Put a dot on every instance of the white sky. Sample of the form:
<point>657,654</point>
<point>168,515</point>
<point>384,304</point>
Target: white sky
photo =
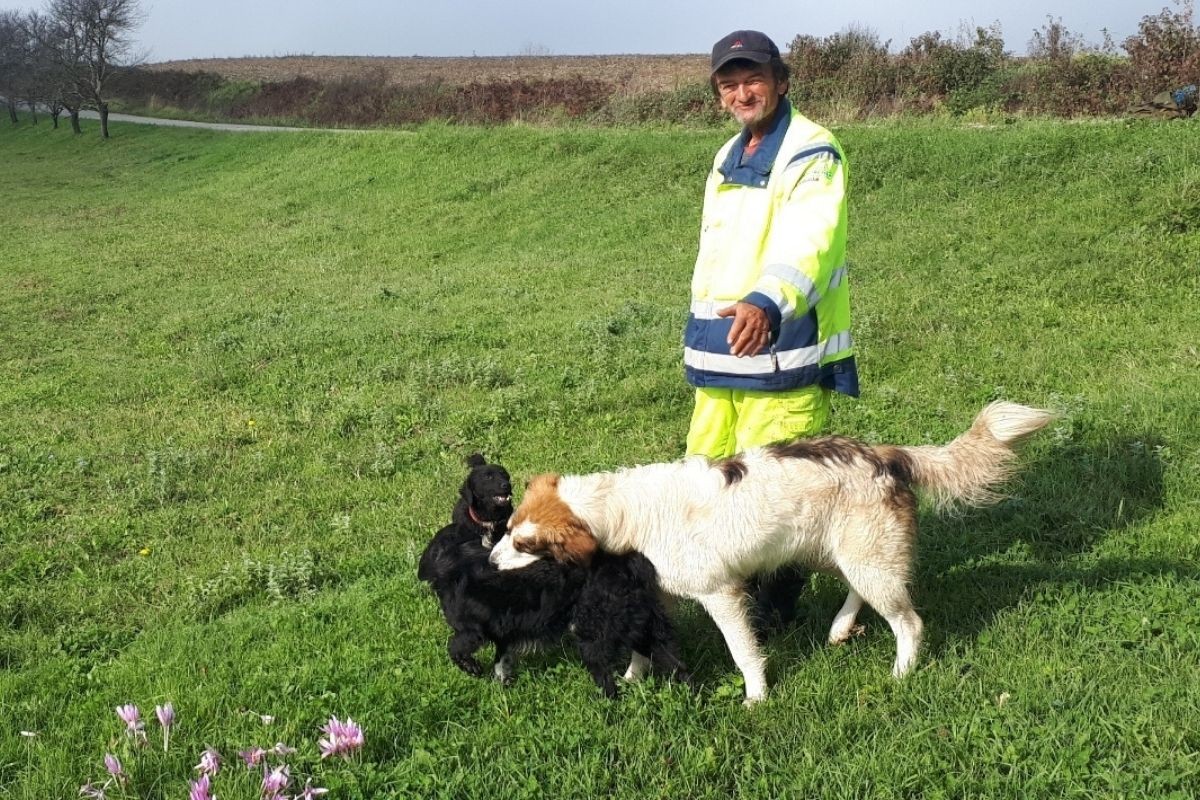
<point>177,29</point>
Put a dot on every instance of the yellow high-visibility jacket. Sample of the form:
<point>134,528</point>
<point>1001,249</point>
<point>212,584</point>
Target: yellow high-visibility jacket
<point>773,234</point>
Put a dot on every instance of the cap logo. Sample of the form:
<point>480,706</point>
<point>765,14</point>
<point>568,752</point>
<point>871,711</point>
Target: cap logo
<point>736,44</point>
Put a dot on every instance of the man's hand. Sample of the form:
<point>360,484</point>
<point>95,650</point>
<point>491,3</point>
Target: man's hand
<point>751,330</point>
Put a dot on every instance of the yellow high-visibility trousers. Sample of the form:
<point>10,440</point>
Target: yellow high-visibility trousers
<point>728,421</point>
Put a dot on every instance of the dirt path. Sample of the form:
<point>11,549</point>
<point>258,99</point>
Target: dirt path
<point>212,126</point>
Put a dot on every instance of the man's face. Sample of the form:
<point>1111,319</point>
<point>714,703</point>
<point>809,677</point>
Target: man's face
<point>748,91</point>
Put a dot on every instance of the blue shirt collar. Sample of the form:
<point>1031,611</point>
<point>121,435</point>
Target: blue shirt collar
<point>754,170</point>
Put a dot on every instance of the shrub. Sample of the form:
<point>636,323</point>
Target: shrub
<point>505,100</point>
<point>224,98</point>
<point>688,103</point>
<point>363,99</point>
<point>851,65</point>
<point>931,66</point>
<point>279,99</point>
<point>153,89</point>
<point>1165,52</point>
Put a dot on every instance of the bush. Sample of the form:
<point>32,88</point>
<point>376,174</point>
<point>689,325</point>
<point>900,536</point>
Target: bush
<point>289,99</point>
<point>931,66</point>
<point>354,101</point>
<point>150,89</point>
<point>226,97</point>
<point>503,101</point>
<point>851,65</point>
<point>1165,52</point>
<point>693,103</point>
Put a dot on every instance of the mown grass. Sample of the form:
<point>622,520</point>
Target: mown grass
<point>239,375</point>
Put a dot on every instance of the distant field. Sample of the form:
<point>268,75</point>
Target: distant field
<point>239,375</point>
<point>633,72</point>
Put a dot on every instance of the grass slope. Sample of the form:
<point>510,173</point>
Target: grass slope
<point>239,375</point>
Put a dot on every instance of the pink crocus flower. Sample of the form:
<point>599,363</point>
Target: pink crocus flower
<point>310,792</point>
<point>275,781</point>
<point>132,718</point>
<point>166,718</point>
<point>92,792</point>
<point>252,757</point>
<point>200,788</point>
<point>210,762</point>
<point>113,765</point>
<point>342,738</point>
<point>165,714</point>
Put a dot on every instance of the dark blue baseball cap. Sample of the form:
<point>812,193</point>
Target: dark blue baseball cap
<point>749,45</point>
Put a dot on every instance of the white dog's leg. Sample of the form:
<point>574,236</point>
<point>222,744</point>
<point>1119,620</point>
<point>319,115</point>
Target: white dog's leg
<point>843,624</point>
<point>908,627</point>
<point>728,610</point>
<point>886,592</point>
<point>639,665</point>
<point>505,668</point>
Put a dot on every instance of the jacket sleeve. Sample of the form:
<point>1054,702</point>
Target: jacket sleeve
<point>807,238</point>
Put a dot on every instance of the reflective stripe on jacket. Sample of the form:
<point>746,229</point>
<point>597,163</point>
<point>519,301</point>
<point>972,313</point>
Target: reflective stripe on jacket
<point>773,233</point>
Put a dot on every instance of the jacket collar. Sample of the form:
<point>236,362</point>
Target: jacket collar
<point>754,170</point>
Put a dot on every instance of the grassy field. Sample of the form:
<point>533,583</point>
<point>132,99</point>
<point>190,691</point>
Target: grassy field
<point>239,376</point>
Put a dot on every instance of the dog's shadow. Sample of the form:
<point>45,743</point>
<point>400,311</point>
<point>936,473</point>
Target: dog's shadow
<point>974,565</point>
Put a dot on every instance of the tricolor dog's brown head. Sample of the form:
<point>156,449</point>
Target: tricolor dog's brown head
<point>543,526</point>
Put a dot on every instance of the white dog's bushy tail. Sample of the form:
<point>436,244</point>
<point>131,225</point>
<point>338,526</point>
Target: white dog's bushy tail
<point>967,469</point>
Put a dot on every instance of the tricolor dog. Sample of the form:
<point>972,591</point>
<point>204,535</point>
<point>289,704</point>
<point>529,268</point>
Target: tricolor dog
<point>833,504</point>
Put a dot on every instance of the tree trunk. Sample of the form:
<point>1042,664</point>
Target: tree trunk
<point>12,112</point>
<point>55,113</point>
<point>75,121</point>
<point>33,111</point>
<point>104,120</point>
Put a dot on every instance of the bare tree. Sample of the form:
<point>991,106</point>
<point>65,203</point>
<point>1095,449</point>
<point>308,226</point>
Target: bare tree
<point>98,34</point>
<point>49,81</point>
<point>11,37</point>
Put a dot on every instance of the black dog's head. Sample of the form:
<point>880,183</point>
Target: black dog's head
<point>486,497</point>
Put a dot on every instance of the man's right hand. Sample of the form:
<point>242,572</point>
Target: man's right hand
<point>751,330</point>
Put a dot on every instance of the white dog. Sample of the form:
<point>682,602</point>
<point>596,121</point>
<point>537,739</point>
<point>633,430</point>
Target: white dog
<point>834,504</point>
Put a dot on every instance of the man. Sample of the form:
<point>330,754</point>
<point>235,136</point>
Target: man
<point>768,337</point>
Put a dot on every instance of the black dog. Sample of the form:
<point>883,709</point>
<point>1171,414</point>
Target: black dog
<point>611,605</point>
<point>775,595</point>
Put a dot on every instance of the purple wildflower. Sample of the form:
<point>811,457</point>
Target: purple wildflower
<point>113,765</point>
<point>210,762</point>
<point>310,792</point>
<point>132,718</point>
<point>253,757</point>
<point>90,791</point>
<point>200,789</point>
<point>275,781</point>
<point>342,738</point>
<point>166,718</point>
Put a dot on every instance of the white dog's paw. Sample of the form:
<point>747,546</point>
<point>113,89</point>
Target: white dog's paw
<point>639,665</point>
<point>843,636</point>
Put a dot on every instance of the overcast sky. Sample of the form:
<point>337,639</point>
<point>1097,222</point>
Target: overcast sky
<point>176,29</point>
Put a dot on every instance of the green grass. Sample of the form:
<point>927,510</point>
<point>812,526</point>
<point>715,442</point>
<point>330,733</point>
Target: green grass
<point>239,376</point>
